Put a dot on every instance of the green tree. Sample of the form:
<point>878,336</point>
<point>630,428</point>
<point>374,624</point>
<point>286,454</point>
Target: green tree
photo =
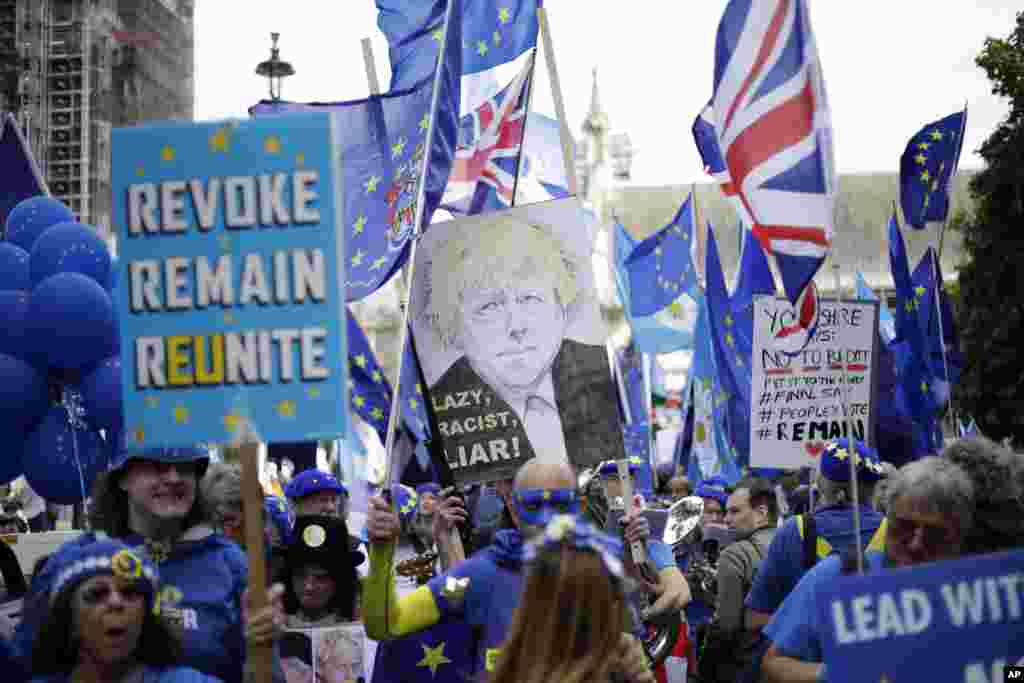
<point>991,281</point>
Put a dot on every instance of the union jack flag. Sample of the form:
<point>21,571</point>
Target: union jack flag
<point>775,132</point>
<point>483,175</point>
<point>706,137</point>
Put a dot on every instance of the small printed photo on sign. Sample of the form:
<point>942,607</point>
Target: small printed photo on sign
<point>512,343</point>
<point>324,655</point>
<point>798,402</point>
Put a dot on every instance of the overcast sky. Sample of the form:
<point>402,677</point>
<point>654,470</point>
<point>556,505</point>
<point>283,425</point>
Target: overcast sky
<point>890,65</point>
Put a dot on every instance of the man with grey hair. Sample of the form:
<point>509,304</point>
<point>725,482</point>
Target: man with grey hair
<point>931,513</point>
<point>503,294</point>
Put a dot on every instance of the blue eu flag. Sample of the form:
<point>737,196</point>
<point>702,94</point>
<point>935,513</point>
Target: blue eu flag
<point>927,167</point>
<point>443,652</point>
<point>414,409</point>
<point>660,267</point>
<point>20,177</point>
<point>886,323</point>
<point>369,389</point>
<point>755,274</point>
<point>492,34</point>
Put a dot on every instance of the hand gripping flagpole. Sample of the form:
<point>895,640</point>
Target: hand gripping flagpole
<point>417,228</point>
<point>853,456</point>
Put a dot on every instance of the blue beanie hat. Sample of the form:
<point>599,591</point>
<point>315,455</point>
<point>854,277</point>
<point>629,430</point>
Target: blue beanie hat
<point>835,461</point>
<point>308,482</point>
<point>81,562</point>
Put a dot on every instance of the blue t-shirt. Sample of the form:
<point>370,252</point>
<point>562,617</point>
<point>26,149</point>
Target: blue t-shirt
<point>174,674</point>
<point>783,565</point>
<point>796,628</point>
<point>201,585</point>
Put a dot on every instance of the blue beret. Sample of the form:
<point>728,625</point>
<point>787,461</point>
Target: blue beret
<point>610,468</point>
<point>429,487</point>
<point>308,482</point>
<point>714,489</point>
<point>835,461</point>
<point>80,562</point>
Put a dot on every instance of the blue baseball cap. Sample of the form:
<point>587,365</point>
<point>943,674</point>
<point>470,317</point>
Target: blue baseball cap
<point>308,482</point>
<point>835,461</point>
<point>714,488</point>
<point>80,562</point>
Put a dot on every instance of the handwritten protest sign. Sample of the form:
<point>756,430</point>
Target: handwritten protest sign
<point>796,395</point>
<point>512,343</point>
<point>230,296</point>
<point>960,621</point>
<point>325,655</point>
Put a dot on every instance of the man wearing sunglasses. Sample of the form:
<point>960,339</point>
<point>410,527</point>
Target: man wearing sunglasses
<point>931,511</point>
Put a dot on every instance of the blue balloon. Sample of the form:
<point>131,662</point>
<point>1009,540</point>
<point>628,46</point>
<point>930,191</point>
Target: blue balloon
<point>60,460</point>
<point>30,218</point>
<point>13,267</point>
<point>12,313</point>
<point>10,458</point>
<point>24,394</point>
<point>70,321</point>
<point>101,393</point>
<point>70,248</point>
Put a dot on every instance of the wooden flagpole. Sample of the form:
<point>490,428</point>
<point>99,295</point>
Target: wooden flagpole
<point>526,122</point>
<point>700,235</point>
<point>568,157</point>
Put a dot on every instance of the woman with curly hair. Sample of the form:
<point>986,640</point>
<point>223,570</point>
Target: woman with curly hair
<point>999,504</point>
<point>101,626</point>
<point>571,622</point>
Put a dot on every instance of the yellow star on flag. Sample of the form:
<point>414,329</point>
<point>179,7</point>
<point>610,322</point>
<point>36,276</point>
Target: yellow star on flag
<point>546,495</point>
<point>313,392</point>
<point>286,409</point>
<point>921,159</point>
<point>425,123</point>
<point>360,360</point>
<point>414,404</point>
<point>377,376</point>
<point>924,387</point>
<point>357,258</point>
<point>729,339</point>
<point>371,184</point>
<point>140,171</point>
<point>919,290</point>
<point>378,263</point>
<point>676,309</point>
<point>481,48</point>
<point>219,140</point>
<point>152,401</point>
<point>909,306</point>
<point>358,401</point>
<point>936,135</point>
<point>232,422</point>
<point>841,454</point>
<point>419,388</point>
<point>496,38</point>
<point>272,145</point>
<point>438,34</point>
<point>181,414</point>
<point>657,251</point>
<point>728,320</point>
<point>377,413</point>
<point>504,15</point>
<point>300,159</point>
<point>167,153</point>
<point>923,146</point>
<point>359,225</point>
<point>139,434</point>
<point>926,176</point>
<point>398,148</point>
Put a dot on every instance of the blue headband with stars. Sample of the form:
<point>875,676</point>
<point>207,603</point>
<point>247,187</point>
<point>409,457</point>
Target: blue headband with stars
<point>567,530</point>
<point>536,506</point>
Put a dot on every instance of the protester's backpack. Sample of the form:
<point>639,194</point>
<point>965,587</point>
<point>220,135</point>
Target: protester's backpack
<point>816,548</point>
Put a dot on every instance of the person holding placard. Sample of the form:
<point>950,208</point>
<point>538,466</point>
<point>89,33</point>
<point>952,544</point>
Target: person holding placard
<point>931,513</point>
<point>806,539</point>
<point>151,501</point>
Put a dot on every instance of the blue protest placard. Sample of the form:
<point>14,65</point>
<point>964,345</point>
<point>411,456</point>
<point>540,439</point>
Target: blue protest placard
<point>231,296</point>
<point>960,621</point>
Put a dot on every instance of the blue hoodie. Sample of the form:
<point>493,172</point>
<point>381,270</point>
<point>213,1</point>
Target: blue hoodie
<point>495,584</point>
<point>202,580</point>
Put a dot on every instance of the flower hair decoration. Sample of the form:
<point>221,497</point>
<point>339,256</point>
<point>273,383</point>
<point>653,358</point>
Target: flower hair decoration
<point>568,530</point>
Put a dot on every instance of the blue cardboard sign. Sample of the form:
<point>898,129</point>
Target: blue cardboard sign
<point>960,621</point>
<point>231,295</point>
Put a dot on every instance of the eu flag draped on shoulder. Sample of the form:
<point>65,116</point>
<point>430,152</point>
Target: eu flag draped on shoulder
<point>774,130</point>
<point>660,267</point>
<point>19,176</point>
<point>384,140</point>
<point>927,168</point>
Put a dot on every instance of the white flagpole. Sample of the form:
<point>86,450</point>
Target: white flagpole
<point>403,334</point>
<point>371,67</point>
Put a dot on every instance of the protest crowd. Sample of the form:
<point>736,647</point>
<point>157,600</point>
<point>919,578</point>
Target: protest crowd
<point>814,522</point>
